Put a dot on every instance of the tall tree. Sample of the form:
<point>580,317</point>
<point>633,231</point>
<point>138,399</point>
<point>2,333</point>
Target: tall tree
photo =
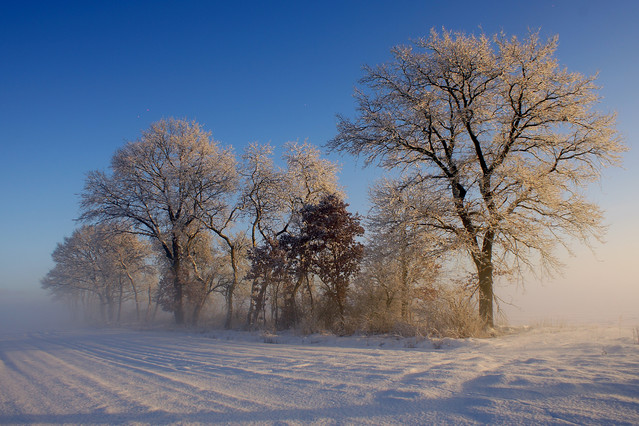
<point>162,186</point>
<point>310,178</point>
<point>495,143</point>
<point>263,197</point>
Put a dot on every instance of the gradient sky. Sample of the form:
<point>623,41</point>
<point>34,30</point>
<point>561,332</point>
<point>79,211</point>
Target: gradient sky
<point>77,79</point>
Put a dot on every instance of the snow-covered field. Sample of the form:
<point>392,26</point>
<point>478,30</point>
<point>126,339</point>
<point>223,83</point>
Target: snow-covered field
<point>565,375</point>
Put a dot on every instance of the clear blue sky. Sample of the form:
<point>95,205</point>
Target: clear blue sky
<point>77,79</point>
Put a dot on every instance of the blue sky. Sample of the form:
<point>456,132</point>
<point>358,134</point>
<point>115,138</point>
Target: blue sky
<point>77,79</point>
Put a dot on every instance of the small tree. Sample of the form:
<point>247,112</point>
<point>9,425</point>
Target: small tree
<point>207,272</point>
<point>399,250</point>
<point>131,257</point>
<point>327,246</point>
<point>495,143</point>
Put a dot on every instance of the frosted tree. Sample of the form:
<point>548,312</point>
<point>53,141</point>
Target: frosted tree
<point>495,143</point>
<point>264,198</point>
<point>163,186</point>
<point>131,258</point>
<point>102,262</point>
<point>207,271</point>
<point>221,222</point>
<point>401,258</point>
<point>273,198</point>
<point>264,192</point>
<point>327,246</point>
<point>310,177</point>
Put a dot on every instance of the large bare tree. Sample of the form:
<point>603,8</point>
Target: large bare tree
<point>495,143</point>
<point>162,186</point>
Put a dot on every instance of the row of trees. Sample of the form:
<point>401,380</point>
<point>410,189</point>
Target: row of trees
<point>101,263</point>
<point>490,143</point>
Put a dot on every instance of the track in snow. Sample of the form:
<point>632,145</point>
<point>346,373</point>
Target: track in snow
<point>565,376</point>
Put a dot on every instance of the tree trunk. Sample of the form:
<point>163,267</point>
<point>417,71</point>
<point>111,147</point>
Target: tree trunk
<point>252,303</point>
<point>147,313</point>
<point>486,294</point>
<point>404,293</point>
<point>340,298</point>
<point>310,294</point>
<point>275,305</point>
<point>257,303</point>
<point>137,302</point>
<point>231,289</point>
<point>484,264</point>
<point>178,306</point>
<point>135,291</point>
<point>197,309</point>
<point>120,297</point>
<point>289,310</point>
<point>178,303</point>
<point>229,307</point>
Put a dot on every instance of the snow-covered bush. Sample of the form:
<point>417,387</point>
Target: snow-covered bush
<point>450,312</point>
<point>441,311</point>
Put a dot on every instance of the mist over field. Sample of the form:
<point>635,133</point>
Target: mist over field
<point>26,311</point>
<point>55,368</point>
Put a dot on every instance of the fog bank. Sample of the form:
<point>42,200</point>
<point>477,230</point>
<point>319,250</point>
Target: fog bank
<point>25,311</point>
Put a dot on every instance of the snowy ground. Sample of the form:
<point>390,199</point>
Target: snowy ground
<point>565,375</point>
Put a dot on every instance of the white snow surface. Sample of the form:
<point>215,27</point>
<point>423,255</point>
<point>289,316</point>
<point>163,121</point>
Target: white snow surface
<point>545,375</point>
